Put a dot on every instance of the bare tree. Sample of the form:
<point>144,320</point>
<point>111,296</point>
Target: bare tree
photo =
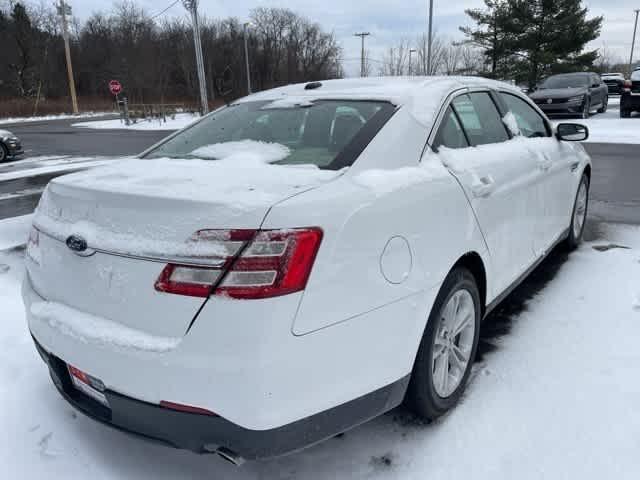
<point>395,61</point>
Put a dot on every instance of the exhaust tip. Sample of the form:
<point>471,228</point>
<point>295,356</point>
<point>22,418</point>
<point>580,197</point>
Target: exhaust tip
<point>230,456</point>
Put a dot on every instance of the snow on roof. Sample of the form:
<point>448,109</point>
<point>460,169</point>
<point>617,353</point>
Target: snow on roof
<point>423,94</point>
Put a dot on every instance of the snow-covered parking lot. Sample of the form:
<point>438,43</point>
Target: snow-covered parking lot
<point>557,398</point>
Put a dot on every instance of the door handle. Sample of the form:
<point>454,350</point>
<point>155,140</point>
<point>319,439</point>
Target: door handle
<point>483,187</point>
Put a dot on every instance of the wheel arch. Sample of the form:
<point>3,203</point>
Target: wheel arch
<point>473,262</point>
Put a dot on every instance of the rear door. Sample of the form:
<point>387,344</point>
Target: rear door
<point>497,176</point>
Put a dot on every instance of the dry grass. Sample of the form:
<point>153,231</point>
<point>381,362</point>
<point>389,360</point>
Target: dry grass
<point>25,107</point>
<point>21,107</point>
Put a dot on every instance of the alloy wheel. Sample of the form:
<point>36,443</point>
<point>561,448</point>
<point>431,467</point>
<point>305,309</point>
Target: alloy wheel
<point>453,343</point>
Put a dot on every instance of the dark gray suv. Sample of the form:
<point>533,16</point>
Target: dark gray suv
<point>572,94</point>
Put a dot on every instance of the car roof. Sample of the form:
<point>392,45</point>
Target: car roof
<point>397,90</point>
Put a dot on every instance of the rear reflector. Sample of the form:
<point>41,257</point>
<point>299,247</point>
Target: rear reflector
<point>254,265</point>
<point>186,408</point>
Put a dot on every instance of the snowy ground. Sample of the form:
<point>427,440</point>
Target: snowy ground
<point>557,399</point>
<point>42,118</point>
<point>48,164</point>
<point>181,120</point>
<point>609,127</point>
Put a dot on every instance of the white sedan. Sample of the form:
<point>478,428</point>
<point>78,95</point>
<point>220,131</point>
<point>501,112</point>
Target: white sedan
<point>299,261</point>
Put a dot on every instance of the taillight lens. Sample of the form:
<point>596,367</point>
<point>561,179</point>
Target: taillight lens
<point>627,85</point>
<point>261,264</point>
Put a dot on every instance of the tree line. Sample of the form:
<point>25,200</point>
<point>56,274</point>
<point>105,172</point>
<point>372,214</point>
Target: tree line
<point>154,58</point>
<point>517,40</point>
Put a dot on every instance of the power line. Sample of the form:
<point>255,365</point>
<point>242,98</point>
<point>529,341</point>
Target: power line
<point>165,10</point>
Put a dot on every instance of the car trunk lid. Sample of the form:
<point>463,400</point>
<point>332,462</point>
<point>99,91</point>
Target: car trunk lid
<point>135,217</point>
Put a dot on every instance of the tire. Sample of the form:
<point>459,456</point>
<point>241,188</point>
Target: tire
<point>605,105</point>
<point>625,113</point>
<point>428,399</point>
<point>4,153</point>
<point>586,110</point>
<point>579,214</point>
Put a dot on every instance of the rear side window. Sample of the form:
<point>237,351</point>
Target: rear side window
<point>529,121</point>
<point>480,118</point>
<point>450,134</point>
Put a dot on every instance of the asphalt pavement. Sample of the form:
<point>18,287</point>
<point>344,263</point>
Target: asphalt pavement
<point>615,189</point>
<point>58,137</point>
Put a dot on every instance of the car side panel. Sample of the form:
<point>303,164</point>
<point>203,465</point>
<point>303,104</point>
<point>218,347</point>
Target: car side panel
<point>422,206</point>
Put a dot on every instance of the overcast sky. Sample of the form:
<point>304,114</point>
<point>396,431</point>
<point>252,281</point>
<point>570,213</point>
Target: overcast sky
<point>388,21</point>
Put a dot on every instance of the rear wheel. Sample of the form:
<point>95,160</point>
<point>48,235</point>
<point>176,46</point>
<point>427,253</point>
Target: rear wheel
<point>4,153</point>
<point>579,216</point>
<point>448,347</point>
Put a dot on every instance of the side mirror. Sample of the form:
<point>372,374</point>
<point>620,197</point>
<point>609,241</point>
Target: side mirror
<point>572,132</point>
<point>595,85</point>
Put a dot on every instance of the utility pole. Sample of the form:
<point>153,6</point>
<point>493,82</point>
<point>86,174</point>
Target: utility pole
<point>430,38</point>
<point>633,44</point>
<point>63,11</point>
<point>192,6</point>
<point>246,57</point>
<point>411,52</point>
<point>362,36</point>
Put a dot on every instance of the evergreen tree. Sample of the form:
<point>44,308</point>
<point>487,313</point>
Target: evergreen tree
<point>535,38</point>
<point>491,34</point>
<point>549,36</point>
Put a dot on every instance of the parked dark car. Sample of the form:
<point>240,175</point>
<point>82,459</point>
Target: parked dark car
<point>10,146</point>
<point>614,81</point>
<point>630,99</point>
<point>572,94</point>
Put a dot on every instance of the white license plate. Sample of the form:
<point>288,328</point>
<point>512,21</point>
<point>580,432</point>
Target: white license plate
<point>88,385</point>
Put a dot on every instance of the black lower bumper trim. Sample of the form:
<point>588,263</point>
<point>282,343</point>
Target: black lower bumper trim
<point>204,434</point>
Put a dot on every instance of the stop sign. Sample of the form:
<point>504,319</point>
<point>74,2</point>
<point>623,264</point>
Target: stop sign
<point>115,87</point>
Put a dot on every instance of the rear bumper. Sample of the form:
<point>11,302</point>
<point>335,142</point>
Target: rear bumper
<point>207,434</point>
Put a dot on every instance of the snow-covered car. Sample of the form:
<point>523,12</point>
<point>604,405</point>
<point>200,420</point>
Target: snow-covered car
<point>299,261</point>
<point>575,94</point>
<point>10,146</point>
<point>630,99</point>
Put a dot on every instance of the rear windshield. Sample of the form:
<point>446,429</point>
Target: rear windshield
<point>566,81</point>
<point>281,132</point>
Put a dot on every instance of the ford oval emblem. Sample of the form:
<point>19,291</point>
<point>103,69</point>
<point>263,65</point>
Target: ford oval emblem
<point>77,243</point>
<point>550,100</point>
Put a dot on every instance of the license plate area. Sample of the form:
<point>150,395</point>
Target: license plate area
<point>90,386</point>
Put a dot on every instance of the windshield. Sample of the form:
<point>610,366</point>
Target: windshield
<point>566,81</point>
<point>283,132</point>
<point>635,75</point>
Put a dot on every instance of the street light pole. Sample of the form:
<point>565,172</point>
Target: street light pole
<point>192,6</point>
<point>633,44</point>
<point>246,57</point>
<point>362,36</point>
<point>411,52</point>
<point>430,37</point>
<point>63,11</point>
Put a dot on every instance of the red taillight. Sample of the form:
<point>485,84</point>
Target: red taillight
<point>627,85</point>
<point>265,264</point>
<point>187,408</point>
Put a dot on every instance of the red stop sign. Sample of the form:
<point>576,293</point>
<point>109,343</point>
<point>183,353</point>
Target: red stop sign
<point>115,87</point>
